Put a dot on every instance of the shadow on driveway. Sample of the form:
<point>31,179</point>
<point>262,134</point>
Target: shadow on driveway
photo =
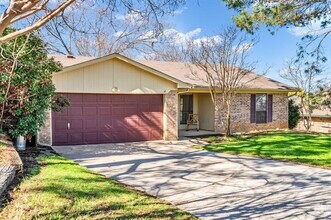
<point>212,185</point>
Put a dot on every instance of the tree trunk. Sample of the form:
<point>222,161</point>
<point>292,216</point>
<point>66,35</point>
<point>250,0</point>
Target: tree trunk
<point>228,121</point>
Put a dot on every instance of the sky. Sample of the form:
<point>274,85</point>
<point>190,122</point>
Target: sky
<point>207,17</point>
<point>201,18</point>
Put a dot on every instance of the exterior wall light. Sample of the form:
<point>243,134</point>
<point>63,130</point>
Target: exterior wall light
<point>115,89</point>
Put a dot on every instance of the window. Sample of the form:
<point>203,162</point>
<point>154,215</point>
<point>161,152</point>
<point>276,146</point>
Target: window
<point>261,108</point>
<point>186,107</point>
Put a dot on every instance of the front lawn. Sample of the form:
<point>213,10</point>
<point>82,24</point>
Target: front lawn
<point>314,149</point>
<point>61,189</point>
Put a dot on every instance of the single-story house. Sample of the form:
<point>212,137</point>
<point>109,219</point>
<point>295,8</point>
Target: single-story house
<point>117,99</point>
<point>321,121</point>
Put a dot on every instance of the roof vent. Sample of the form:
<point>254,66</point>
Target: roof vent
<point>70,56</point>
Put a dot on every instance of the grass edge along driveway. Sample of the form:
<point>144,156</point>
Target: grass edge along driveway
<point>304,148</point>
<point>62,189</point>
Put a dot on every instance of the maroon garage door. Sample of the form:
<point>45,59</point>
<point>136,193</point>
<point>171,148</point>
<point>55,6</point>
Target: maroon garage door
<point>100,118</point>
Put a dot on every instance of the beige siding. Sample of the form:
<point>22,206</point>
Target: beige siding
<point>103,77</point>
<point>206,112</point>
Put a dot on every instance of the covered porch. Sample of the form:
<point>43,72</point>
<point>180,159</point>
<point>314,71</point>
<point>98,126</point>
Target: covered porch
<point>201,106</point>
<point>183,134</point>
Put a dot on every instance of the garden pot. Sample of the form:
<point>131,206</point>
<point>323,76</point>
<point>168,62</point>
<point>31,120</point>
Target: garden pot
<point>20,143</point>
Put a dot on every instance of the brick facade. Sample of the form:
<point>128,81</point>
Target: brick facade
<point>45,132</point>
<point>240,117</point>
<point>240,114</point>
<point>171,116</point>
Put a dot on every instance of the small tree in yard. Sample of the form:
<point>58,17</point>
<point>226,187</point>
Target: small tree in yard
<point>224,62</point>
<point>324,92</point>
<point>304,74</point>
<point>26,88</point>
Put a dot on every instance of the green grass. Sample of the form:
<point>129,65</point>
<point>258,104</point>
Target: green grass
<point>61,189</point>
<point>313,149</point>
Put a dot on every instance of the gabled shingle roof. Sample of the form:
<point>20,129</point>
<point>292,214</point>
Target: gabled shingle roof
<point>66,61</point>
<point>183,72</point>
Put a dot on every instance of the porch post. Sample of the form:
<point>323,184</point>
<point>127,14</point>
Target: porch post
<point>170,119</point>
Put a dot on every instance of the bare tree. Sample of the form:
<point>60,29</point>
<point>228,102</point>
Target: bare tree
<point>93,28</point>
<point>19,10</point>
<point>305,75</point>
<point>30,15</point>
<point>166,48</point>
<point>225,66</point>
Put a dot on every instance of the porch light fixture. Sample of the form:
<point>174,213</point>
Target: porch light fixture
<point>115,89</point>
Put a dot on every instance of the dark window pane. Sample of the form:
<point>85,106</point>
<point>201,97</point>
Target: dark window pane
<point>186,107</point>
<point>261,102</point>
<point>261,108</point>
<point>261,117</point>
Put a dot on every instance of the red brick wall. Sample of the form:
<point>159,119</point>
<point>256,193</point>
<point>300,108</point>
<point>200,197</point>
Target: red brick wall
<point>241,114</point>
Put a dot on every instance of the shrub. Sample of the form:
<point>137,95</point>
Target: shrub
<point>26,87</point>
<point>293,114</point>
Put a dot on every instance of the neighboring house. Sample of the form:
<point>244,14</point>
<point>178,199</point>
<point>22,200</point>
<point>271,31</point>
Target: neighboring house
<point>321,121</point>
<point>117,99</point>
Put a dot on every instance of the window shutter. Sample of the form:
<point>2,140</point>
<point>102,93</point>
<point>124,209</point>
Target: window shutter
<point>253,108</point>
<point>269,110</point>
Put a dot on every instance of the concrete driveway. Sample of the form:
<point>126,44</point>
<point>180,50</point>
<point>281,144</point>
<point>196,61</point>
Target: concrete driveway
<point>212,185</point>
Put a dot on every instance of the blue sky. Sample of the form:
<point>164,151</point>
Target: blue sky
<point>209,16</point>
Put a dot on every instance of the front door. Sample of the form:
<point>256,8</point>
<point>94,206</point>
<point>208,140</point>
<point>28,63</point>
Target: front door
<point>186,107</point>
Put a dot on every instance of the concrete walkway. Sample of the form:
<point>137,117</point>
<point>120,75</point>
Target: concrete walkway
<point>212,185</point>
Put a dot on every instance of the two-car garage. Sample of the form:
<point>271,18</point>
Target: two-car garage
<point>112,99</point>
<point>105,118</point>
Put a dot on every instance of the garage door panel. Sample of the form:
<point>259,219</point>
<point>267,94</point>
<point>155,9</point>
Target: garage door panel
<point>105,124</point>
<point>91,124</point>
<point>155,108</point>
<point>90,111</point>
<point>101,118</point>
<point>132,99</point>
<point>132,122</point>
<point>62,113</point>
<point>76,124</point>
<point>105,137</point>
<point>118,99</point>
<point>118,123</point>
<point>60,138</point>
<point>143,108</point>
<point>156,134</point>
<point>91,137</point>
<point>104,111</point>
<point>119,136</point>
<point>90,98</point>
<point>61,125</point>
<point>150,121</point>
<point>76,111</point>
<point>76,138</point>
<point>75,98</point>
<point>117,109</point>
<point>104,98</point>
<point>131,110</point>
<point>138,135</point>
